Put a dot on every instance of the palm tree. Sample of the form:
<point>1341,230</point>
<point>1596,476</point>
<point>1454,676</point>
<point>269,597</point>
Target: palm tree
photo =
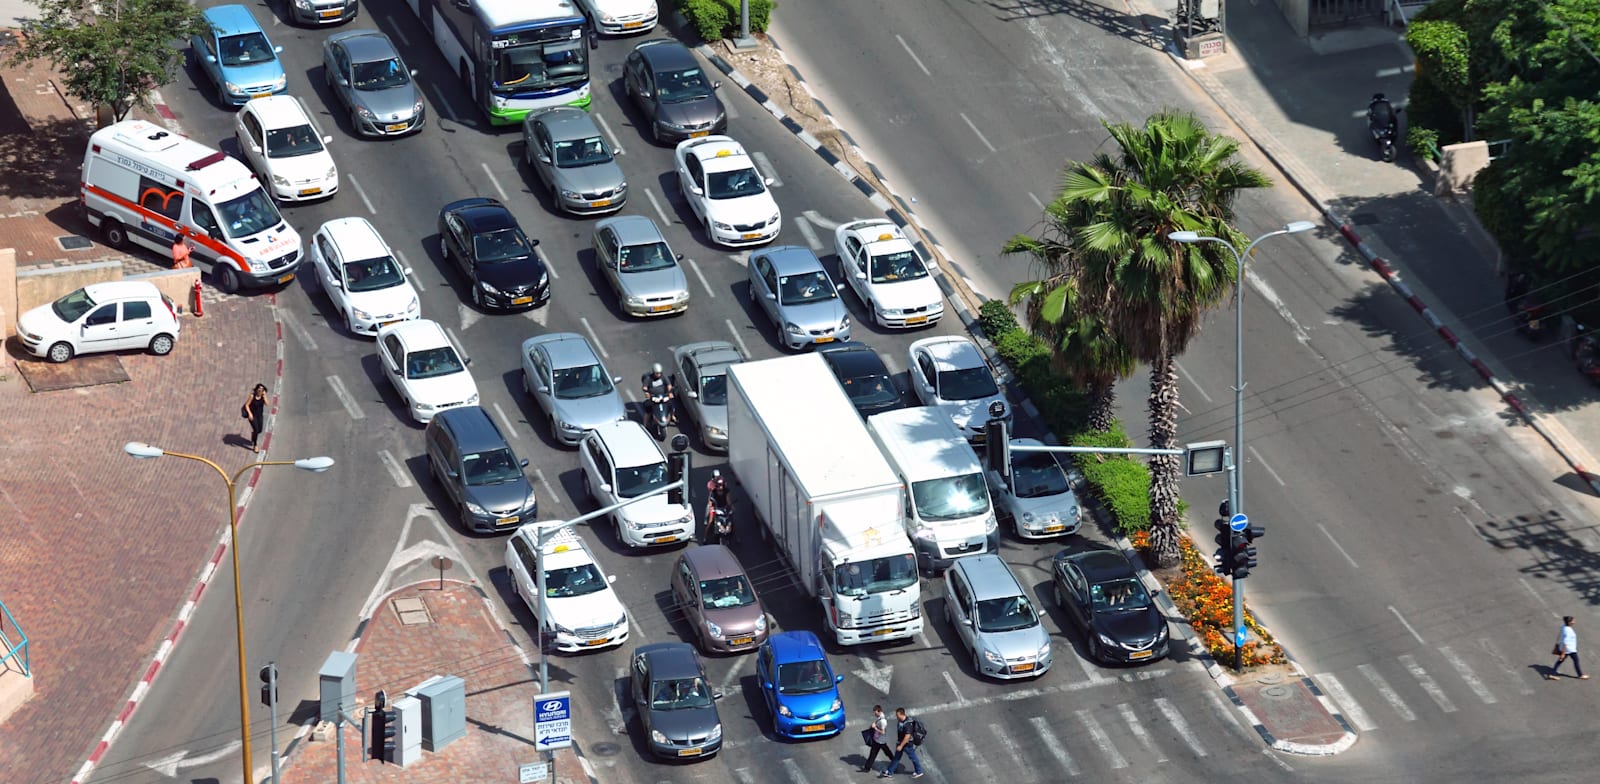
<point>1083,349</point>
<point>1109,230</point>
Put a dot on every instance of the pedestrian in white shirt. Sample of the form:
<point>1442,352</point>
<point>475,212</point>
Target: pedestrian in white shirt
<point>1566,648</point>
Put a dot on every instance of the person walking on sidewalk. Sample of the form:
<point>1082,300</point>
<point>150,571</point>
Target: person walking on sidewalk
<point>180,253</point>
<point>874,736</point>
<point>909,733</point>
<point>1566,648</point>
<point>255,410</point>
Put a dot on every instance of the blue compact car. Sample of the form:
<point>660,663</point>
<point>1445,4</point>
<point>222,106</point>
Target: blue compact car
<point>799,686</point>
<point>237,56</point>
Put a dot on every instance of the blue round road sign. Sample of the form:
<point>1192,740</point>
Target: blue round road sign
<point>1239,522</point>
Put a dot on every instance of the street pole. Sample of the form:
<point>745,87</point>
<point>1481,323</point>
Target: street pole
<point>338,736</point>
<point>272,705</point>
<point>1238,584</point>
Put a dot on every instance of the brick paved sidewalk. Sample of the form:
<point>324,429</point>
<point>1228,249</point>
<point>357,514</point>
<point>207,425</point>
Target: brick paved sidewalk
<point>461,637</point>
<point>97,550</point>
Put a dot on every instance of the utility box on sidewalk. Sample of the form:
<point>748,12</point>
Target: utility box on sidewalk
<point>336,684</point>
<point>408,736</point>
<point>444,710</point>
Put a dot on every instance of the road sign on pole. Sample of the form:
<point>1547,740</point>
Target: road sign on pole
<point>1239,523</point>
<point>532,771</point>
<point>552,721</point>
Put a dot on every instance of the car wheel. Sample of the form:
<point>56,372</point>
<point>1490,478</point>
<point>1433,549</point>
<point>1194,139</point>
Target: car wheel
<point>60,352</point>
<point>161,345</point>
<point>477,295</point>
<point>555,428</point>
<point>588,490</point>
<point>1094,644</point>
<point>227,279</point>
<point>444,250</point>
<point>115,234</point>
<point>355,122</point>
<point>1061,598</point>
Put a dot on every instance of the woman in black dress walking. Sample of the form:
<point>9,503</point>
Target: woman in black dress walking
<point>255,410</point>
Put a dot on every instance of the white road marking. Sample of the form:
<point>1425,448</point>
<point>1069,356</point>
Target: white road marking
<point>416,281</point>
<point>1336,546</point>
<point>540,316</point>
<point>822,221</point>
<point>737,338</point>
<point>654,202</point>
<point>743,775</point>
<point>592,336</point>
<point>550,493</point>
<point>891,363</point>
<point>981,137</point>
<point>1347,704</point>
<point>505,420</point>
<point>1268,466</point>
<point>345,398</point>
<point>396,473</point>
<point>1089,668</point>
<point>1051,743</point>
<point>456,342</point>
<point>1191,381</point>
<point>404,555</point>
<point>1137,728</point>
<point>765,165</point>
<point>1427,683</point>
<point>733,675</point>
<point>1180,726</point>
<point>1397,614</point>
<point>804,227</point>
<point>1514,676</point>
<point>695,268</point>
<point>169,765</point>
<point>401,36</point>
<point>496,183</point>
<point>1384,73</point>
<point>914,57</point>
<point>953,690</point>
<point>1226,709</point>
<point>741,259</point>
<point>1537,597</point>
<point>351,179</point>
<point>297,330</point>
<point>1036,201</point>
<point>1278,305</point>
<point>1387,691</point>
<point>467,315</point>
<point>792,768</point>
<point>605,127</point>
<point>551,268</point>
<point>1101,739</point>
<point>1015,695</point>
<point>1473,526</point>
<point>442,106</point>
<point>1466,673</point>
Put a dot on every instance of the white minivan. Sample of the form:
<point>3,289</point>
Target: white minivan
<point>948,511</point>
<point>115,316</point>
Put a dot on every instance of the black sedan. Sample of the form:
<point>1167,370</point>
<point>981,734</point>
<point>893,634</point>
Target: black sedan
<point>676,705</point>
<point>1100,591</point>
<point>481,238</point>
<point>864,376</point>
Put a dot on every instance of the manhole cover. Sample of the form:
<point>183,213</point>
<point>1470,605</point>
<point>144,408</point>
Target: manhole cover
<point>1270,679</point>
<point>1277,692</point>
<point>604,749</point>
<point>74,242</point>
<point>411,611</point>
<point>1363,218</point>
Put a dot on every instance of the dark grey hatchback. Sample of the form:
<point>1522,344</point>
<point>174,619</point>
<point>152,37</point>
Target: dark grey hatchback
<point>675,702</point>
<point>669,86</point>
<point>471,460</point>
<point>1101,592</point>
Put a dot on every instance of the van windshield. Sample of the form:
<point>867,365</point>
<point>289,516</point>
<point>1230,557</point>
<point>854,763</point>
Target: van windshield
<point>950,497</point>
<point>72,307</point>
<point>494,467</point>
<point>878,575</point>
<point>249,214</point>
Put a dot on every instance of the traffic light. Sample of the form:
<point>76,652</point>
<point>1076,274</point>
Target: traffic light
<point>385,723</point>
<point>1224,540</point>
<point>1255,532</point>
<point>997,447</point>
<point>678,472</point>
<point>1244,557</point>
<point>269,685</point>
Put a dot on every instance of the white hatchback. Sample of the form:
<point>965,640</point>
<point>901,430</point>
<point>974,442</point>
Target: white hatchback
<point>115,316</point>
<point>279,140</point>
<point>580,611</point>
<point>425,368</point>
<point>361,276</point>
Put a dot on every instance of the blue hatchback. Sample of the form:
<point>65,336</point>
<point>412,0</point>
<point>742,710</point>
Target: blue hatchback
<point>237,56</point>
<point>799,686</point>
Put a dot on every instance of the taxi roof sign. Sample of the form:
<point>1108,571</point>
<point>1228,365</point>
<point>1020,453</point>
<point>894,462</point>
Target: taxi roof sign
<point>724,152</point>
<point>885,237</point>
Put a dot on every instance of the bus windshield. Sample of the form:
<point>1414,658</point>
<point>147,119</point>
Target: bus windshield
<point>540,65</point>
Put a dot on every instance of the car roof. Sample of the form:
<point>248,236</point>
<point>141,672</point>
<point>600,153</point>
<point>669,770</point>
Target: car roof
<point>989,577</point>
<point>567,349</point>
<point>633,229</point>
<point>232,19</point>
<point>366,46</point>
<point>482,213</point>
<point>796,646</point>
<point>121,289</point>
<point>718,153</point>
<point>1100,565</point>
<point>629,444</point>
<point>710,562</point>
<point>417,335</point>
<point>666,55</point>
<point>952,352</point>
<point>356,238</point>
<point>564,549</point>
<point>853,358</point>
<point>566,123</point>
<point>883,237</point>
<point>472,428</point>
<point>791,259</point>
<point>280,111</point>
<point>671,660</point>
<point>712,354</point>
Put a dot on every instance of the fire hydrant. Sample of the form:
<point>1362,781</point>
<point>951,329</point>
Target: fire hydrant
<point>198,309</point>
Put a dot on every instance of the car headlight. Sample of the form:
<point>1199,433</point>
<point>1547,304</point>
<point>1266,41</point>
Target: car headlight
<point>563,630</point>
<point>365,113</point>
<point>925,533</point>
<point>713,629</point>
<point>570,427</point>
<point>259,265</point>
<point>837,704</point>
<point>774,219</point>
<point>716,431</point>
<point>417,107</point>
<point>414,307</point>
<point>761,623</point>
<point>361,314</point>
<point>1027,517</point>
<point>990,525</point>
<point>483,284</point>
<point>621,187</point>
<point>656,736</point>
<point>543,276</point>
<point>844,323</point>
<point>846,619</point>
<point>916,607</point>
<point>1106,639</point>
<point>686,520</point>
<point>793,328</point>
<point>333,171</point>
<point>994,658</point>
<point>633,525</point>
<point>231,87</point>
<point>889,312</point>
<point>1044,650</point>
<point>783,710</point>
<point>304,5</point>
<point>278,179</point>
<point>672,125</point>
<point>635,301</point>
<point>282,80</point>
<point>722,226</point>
<point>472,401</point>
<point>1161,633</point>
<point>1077,513</point>
<point>475,508</point>
<point>606,18</point>
<point>426,407</point>
<point>716,732</point>
<point>566,194</point>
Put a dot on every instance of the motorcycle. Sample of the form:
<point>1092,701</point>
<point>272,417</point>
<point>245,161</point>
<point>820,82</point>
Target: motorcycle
<point>1383,124</point>
<point>719,525</point>
<point>660,416</point>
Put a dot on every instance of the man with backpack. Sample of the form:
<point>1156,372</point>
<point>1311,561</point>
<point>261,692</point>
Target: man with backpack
<point>909,735</point>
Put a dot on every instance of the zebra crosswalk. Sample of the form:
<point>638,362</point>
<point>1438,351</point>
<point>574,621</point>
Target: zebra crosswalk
<point>1449,677</point>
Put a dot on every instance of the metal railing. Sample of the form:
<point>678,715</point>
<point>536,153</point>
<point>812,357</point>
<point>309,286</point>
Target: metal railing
<point>13,650</point>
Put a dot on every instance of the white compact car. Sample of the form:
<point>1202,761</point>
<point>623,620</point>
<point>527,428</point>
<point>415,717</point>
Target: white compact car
<point>949,373</point>
<point>124,314</point>
<point>726,191</point>
<point>621,461</point>
<point>1037,497</point>
<point>279,140</point>
<point>883,268</point>
<point>580,612</point>
<point>361,276</point>
<point>425,368</point>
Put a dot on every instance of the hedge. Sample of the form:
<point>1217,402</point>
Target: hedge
<point>719,19</point>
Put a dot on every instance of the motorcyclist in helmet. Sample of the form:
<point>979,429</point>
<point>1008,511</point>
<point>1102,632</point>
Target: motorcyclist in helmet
<point>1381,116</point>
<point>658,385</point>
<point>719,501</point>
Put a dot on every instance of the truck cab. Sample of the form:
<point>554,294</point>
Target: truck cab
<point>948,512</point>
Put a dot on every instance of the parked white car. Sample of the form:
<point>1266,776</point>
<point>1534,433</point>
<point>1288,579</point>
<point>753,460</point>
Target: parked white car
<point>279,139</point>
<point>950,374</point>
<point>621,461</point>
<point>883,268</point>
<point>115,316</point>
<point>726,191</point>
<point>361,276</point>
<point>580,611</point>
<point>425,368</point>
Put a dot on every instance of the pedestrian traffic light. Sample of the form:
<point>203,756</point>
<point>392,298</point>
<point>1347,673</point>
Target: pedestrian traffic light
<point>997,447</point>
<point>269,685</point>
<point>678,473</point>
<point>385,723</point>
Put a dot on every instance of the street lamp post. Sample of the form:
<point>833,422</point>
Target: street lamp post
<point>313,464</point>
<point>1236,477</point>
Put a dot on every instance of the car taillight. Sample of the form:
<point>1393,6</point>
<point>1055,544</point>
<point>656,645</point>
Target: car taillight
<point>171,308</point>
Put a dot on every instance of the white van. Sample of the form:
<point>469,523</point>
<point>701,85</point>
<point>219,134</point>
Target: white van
<point>144,185</point>
<point>948,511</point>
<point>114,316</point>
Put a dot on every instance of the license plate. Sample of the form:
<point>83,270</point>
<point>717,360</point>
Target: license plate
<point>660,308</point>
<point>882,632</point>
<point>600,203</point>
<point>1022,667</point>
<point>330,14</point>
<point>698,134</point>
<point>396,128</point>
<point>1141,654</point>
<point>665,539</point>
<point>741,641</point>
<point>522,300</point>
<point>689,752</point>
<point>387,323</point>
<point>917,320</point>
<point>286,278</point>
<point>310,191</point>
<point>750,236</point>
<point>631,25</point>
<point>506,520</point>
<point>823,339</point>
<point>601,641</point>
<point>1054,529</point>
<point>813,727</point>
<point>1533,323</point>
<point>261,95</point>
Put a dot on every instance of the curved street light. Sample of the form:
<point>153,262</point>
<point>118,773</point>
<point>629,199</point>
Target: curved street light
<point>317,465</point>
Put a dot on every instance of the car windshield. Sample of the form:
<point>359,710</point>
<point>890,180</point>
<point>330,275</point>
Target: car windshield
<point>379,74</point>
<point>373,274</point>
<point>538,66</point>
<point>576,383</point>
<point>1006,615</point>
<point>725,592</point>
<point>638,480</point>
<point>878,575</point>
<point>249,214</point>
<point>967,384</point>
<point>893,267</point>
<point>244,49</point>
<point>714,390</point>
<point>950,498</point>
<point>680,86</point>
<point>576,153</point>
<point>808,677</point>
<point>293,142</point>
<point>1037,475</point>
<point>679,694</point>
<point>72,307</point>
<point>805,287</point>
<point>494,467</point>
<point>580,580</point>
<point>500,245</point>
<point>432,363</point>
<point>1120,595</point>
<point>734,184</point>
<point>870,389</point>
<point>644,258</point>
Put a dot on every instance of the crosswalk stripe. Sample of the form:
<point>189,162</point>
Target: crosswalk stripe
<point>1137,728</point>
<point>1512,675</point>
<point>962,745</point>
<point>1347,704</point>
<point>743,775</point>
<point>1007,743</point>
<point>793,769</point>
<point>1051,744</point>
<point>1467,675</point>
<point>1180,725</point>
<point>1388,692</point>
<point>1101,739</point>
<point>1427,683</point>
<point>1089,668</point>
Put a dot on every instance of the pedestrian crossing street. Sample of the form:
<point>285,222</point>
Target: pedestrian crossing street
<point>1446,679</point>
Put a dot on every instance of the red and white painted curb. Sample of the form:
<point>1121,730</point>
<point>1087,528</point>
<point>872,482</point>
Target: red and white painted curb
<point>208,571</point>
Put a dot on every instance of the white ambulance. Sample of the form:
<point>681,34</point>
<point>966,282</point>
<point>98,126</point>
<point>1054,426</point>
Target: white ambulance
<point>143,184</point>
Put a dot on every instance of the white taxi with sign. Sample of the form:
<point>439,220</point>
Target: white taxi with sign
<point>886,272</point>
<point>726,192</point>
<point>580,612</point>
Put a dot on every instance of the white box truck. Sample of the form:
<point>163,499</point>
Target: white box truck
<point>950,514</point>
<point>824,496</point>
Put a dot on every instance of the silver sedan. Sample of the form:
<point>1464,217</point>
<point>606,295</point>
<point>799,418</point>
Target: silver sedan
<point>562,373</point>
<point>366,74</point>
<point>701,385</point>
<point>790,286</point>
<point>564,148</point>
<point>641,268</point>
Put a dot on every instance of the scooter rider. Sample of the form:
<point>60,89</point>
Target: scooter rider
<point>657,385</point>
<point>1381,117</point>
<point>720,502</point>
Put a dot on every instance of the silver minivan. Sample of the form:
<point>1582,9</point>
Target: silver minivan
<point>995,619</point>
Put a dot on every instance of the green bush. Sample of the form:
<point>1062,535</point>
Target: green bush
<point>1121,484</point>
<point>719,19</point>
<point>1424,142</point>
<point>996,319</point>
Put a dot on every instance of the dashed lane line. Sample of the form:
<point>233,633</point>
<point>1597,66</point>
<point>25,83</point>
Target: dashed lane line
<point>396,473</point>
<point>1427,683</point>
<point>345,398</point>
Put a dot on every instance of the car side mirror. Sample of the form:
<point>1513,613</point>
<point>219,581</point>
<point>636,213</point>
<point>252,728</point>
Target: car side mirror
<point>861,275</point>
<point>523,462</point>
<point>605,487</point>
<point>838,679</point>
<point>616,379</point>
<point>543,389</point>
<point>343,82</point>
<point>772,296</point>
<point>338,284</point>
<point>695,189</point>
<point>407,272</point>
<point>767,180</point>
<point>716,85</point>
<point>693,395</point>
<point>413,72</point>
<point>277,50</point>
<point>1156,591</point>
<point>450,472</point>
<point>533,242</point>
<point>611,579</point>
<point>680,257</point>
<point>716,695</point>
<point>766,685</point>
<point>542,158</point>
<point>327,139</point>
<point>211,58</point>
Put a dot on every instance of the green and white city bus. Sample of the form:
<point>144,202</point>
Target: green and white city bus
<point>514,56</point>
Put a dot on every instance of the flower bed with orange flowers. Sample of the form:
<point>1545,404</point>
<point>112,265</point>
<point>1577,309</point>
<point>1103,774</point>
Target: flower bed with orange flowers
<point>1207,601</point>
